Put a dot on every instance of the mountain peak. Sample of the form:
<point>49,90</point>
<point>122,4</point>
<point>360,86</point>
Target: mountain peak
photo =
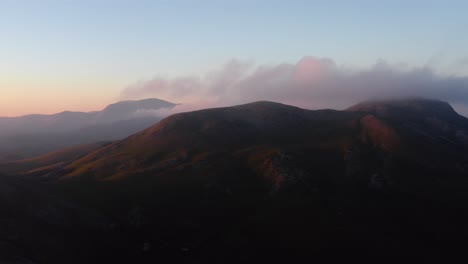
<point>264,104</point>
<point>126,109</point>
<point>144,103</point>
<point>409,106</point>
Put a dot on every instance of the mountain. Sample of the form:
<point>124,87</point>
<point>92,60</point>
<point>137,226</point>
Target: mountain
<point>55,158</point>
<point>182,137</point>
<point>401,128</point>
<point>29,136</point>
<point>410,109</point>
<point>69,121</point>
<point>435,135</point>
<point>131,109</point>
<point>23,146</point>
<point>271,182</point>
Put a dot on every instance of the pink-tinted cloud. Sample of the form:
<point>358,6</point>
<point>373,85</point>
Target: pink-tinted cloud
<point>311,83</point>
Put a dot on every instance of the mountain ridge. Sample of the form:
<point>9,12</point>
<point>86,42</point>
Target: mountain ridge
<point>235,127</point>
<point>221,182</point>
<point>32,135</point>
<point>412,105</point>
<point>146,101</point>
<point>72,120</point>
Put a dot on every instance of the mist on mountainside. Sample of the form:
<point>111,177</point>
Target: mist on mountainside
<point>312,83</point>
<point>32,135</point>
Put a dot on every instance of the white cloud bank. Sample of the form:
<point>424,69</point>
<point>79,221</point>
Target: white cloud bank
<point>312,83</point>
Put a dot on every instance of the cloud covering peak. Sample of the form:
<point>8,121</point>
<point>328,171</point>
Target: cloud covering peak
<point>311,83</point>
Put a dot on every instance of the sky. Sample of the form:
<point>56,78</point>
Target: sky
<point>60,55</point>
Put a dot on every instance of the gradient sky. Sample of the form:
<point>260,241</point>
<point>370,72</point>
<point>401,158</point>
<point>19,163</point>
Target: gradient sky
<point>79,55</point>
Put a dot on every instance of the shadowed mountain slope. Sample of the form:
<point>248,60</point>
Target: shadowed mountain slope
<point>381,179</point>
<point>435,135</point>
<point>29,136</point>
<point>182,137</point>
<point>411,109</point>
<point>56,158</point>
<point>402,127</point>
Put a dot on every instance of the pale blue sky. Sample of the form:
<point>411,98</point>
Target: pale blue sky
<point>91,50</point>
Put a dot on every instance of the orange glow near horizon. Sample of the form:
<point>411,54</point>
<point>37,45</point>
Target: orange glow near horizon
<point>23,98</point>
<point>27,107</point>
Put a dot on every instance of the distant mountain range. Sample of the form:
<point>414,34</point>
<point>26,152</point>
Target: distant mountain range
<point>429,132</point>
<point>27,136</point>
<point>251,183</point>
<point>69,121</point>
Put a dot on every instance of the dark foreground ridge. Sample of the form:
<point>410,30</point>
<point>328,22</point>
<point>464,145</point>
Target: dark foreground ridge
<point>252,183</point>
